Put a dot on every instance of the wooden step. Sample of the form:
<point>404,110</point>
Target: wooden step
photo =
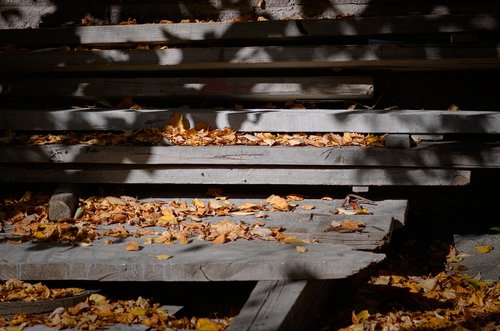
<point>448,154</point>
<point>249,32</point>
<point>398,57</point>
<point>205,261</point>
<point>259,120</point>
<point>234,88</point>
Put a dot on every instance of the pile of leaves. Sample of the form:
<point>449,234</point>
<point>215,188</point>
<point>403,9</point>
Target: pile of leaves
<point>97,312</point>
<point>16,290</point>
<point>179,221</point>
<point>198,136</point>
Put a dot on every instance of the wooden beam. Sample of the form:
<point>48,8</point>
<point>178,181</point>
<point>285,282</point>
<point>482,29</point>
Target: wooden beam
<point>267,31</point>
<point>63,202</point>
<point>427,57</point>
<point>453,154</point>
<point>235,175</point>
<point>281,305</point>
<point>260,120</point>
<point>238,88</point>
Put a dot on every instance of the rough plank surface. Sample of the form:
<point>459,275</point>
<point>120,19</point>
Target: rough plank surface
<point>452,154</point>
<point>287,56</point>
<point>197,261</point>
<point>247,88</point>
<point>235,175</point>
<point>258,120</point>
<point>37,13</point>
<point>247,31</point>
<point>281,305</point>
<point>204,261</point>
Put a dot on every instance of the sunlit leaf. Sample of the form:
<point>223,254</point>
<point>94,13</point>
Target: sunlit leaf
<point>163,257</point>
<point>483,249</point>
<point>301,249</point>
<point>132,246</point>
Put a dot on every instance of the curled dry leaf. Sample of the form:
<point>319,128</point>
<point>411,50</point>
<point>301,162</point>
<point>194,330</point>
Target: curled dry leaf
<point>483,249</point>
<point>301,249</point>
<point>163,257</point>
<point>132,246</point>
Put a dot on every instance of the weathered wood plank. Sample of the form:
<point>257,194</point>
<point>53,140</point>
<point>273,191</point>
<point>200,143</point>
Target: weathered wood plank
<point>253,88</point>
<point>235,175</point>
<point>281,305</point>
<point>197,261</point>
<point>36,13</point>
<point>268,31</point>
<point>453,154</point>
<point>259,120</point>
<point>256,57</point>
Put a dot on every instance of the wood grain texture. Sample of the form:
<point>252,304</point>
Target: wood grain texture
<point>426,57</point>
<point>281,305</point>
<point>235,175</point>
<point>237,88</point>
<point>175,34</point>
<point>452,154</point>
<point>259,120</point>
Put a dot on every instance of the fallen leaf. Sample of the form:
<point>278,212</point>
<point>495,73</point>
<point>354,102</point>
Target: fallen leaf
<point>308,207</point>
<point>208,325</point>
<point>483,249</point>
<point>163,257</point>
<point>301,249</point>
<point>343,211</point>
<point>132,246</point>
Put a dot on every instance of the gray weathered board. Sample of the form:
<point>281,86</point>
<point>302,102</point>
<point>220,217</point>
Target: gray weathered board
<point>243,175</point>
<point>282,305</point>
<point>39,13</point>
<point>269,31</point>
<point>246,88</point>
<point>255,57</point>
<point>259,120</point>
<point>452,154</point>
<point>204,261</point>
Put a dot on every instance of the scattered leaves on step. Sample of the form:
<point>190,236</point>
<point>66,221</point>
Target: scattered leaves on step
<point>98,311</point>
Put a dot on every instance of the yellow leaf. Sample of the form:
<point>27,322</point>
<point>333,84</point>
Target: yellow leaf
<point>208,325</point>
<point>453,107</point>
<point>138,311</point>
<point>291,240</point>
<point>483,249</point>
<point>308,207</point>
<point>168,218</point>
<point>301,249</point>
<point>278,202</point>
<point>163,257</point>
<point>343,211</point>
<point>327,198</point>
<point>148,241</point>
<point>477,298</point>
<point>97,299</point>
<point>198,203</point>
<point>363,315</point>
<point>242,213</point>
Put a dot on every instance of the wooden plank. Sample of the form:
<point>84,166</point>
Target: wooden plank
<point>259,120</point>
<point>269,31</point>
<point>235,175</point>
<point>453,154</point>
<point>281,305</point>
<point>35,13</point>
<point>197,261</point>
<point>247,88</point>
<point>423,57</point>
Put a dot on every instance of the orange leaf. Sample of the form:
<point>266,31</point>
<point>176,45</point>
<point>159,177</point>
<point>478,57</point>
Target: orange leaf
<point>132,246</point>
